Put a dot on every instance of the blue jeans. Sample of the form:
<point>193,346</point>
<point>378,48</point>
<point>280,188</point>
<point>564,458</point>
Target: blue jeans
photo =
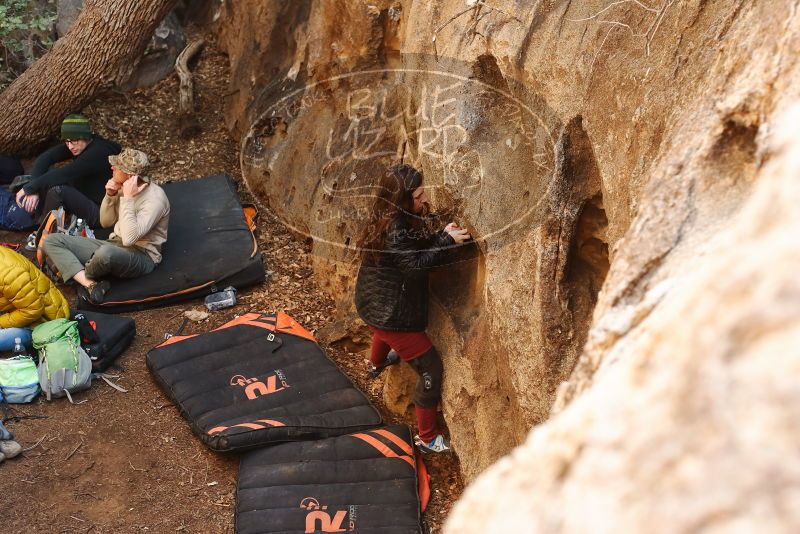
<point>7,336</point>
<point>4,434</point>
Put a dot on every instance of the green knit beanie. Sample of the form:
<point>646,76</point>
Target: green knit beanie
<point>76,127</point>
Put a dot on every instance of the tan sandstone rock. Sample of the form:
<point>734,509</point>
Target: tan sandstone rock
<point>690,426</point>
<point>586,145</point>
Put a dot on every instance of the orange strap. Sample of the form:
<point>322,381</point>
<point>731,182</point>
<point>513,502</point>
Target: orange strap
<point>252,426</point>
<point>383,449</point>
<point>423,484</point>
<point>175,339</point>
<point>287,325</point>
<point>280,322</point>
<point>266,322</point>
<point>47,228</point>
<point>394,438</point>
<point>252,319</point>
<point>250,215</point>
<point>271,422</point>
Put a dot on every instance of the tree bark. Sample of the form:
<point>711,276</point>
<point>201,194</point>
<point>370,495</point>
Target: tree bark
<point>101,50</point>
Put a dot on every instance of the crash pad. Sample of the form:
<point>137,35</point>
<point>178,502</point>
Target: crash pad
<point>256,380</point>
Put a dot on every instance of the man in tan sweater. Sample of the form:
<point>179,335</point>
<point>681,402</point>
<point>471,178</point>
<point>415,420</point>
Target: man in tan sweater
<point>139,212</point>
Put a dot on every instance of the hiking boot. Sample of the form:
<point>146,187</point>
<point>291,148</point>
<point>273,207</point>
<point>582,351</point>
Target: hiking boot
<point>10,448</point>
<point>391,359</point>
<point>437,444</point>
<point>97,291</point>
<point>30,242</point>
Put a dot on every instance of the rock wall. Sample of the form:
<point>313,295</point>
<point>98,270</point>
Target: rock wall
<point>689,425</point>
<point>594,149</point>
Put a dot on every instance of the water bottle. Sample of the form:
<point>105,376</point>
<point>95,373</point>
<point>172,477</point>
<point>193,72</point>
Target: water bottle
<point>88,232</point>
<point>221,299</point>
<point>20,352</point>
<point>79,226</point>
<point>70,229</point>
<point>19,348</point>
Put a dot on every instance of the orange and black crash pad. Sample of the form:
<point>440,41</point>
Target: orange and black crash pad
<point>257,380</point>
<point>367,482</point>
<point>210,245</point>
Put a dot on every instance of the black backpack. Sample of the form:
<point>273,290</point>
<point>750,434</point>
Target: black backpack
<point>104,337</point>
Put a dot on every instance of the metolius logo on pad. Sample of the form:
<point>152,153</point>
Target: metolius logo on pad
<point>258,387</point>
<point>319,519</point>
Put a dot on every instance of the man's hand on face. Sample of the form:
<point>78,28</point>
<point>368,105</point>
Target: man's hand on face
<point>131,187</point>
<point>112,187</point>
<point>30,202</point>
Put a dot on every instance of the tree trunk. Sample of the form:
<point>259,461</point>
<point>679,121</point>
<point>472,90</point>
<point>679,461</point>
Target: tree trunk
<point>100,51</point>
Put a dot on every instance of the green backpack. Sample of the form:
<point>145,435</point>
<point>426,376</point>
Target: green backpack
<point>19,381</point>
<point>64,367</point>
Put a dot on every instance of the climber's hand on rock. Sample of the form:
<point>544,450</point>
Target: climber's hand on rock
<point>459,235</point>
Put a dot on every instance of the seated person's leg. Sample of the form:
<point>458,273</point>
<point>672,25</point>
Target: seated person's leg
<point>122,262</point>
<point>52,200</point>
<point>8,335</point>
<point>74,202</point>
<point>69,253</point>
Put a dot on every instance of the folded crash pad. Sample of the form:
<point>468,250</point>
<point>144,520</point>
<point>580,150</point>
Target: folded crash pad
<point>114,334</point>
<point>364,482</point>
<point>210,245</point>
<point>256,380</point>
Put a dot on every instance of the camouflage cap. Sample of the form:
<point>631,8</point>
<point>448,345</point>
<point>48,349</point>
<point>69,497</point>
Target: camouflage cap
<point>130,161</point>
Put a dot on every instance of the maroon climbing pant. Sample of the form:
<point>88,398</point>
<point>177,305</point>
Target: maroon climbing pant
<point>408,345</point>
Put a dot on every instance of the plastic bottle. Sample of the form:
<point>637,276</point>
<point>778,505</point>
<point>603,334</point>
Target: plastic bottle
<point>19,348</point>
<point>88,232</point>
<point>79,226</point>
<point>70,230</point>
<point>221,299</point>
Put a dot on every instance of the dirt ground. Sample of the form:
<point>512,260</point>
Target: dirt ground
<point>128,462</point>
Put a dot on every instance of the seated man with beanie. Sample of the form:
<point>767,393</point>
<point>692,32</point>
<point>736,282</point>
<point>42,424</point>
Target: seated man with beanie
<point>78,185</point>
<point>139,212</point>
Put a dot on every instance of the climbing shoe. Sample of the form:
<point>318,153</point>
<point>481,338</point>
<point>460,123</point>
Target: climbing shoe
<point>97,291</point>
<point>391,359</point>
<point>30,242</point>
<point>437,444</point>
<point>9,449</point>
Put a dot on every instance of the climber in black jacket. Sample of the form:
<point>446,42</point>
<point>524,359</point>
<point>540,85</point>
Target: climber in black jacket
<point>78,186</point>
<point>397,248</point>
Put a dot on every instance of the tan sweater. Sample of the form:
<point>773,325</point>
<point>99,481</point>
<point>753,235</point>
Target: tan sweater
<point>140,221</point>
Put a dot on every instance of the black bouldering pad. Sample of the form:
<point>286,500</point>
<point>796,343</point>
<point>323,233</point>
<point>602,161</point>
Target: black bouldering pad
<point>365,482</point>
<point>115,334</point>
<point>210,245</point>
<point>257,380</point>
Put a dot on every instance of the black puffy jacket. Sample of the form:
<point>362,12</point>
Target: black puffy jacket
<point>392,290</point>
